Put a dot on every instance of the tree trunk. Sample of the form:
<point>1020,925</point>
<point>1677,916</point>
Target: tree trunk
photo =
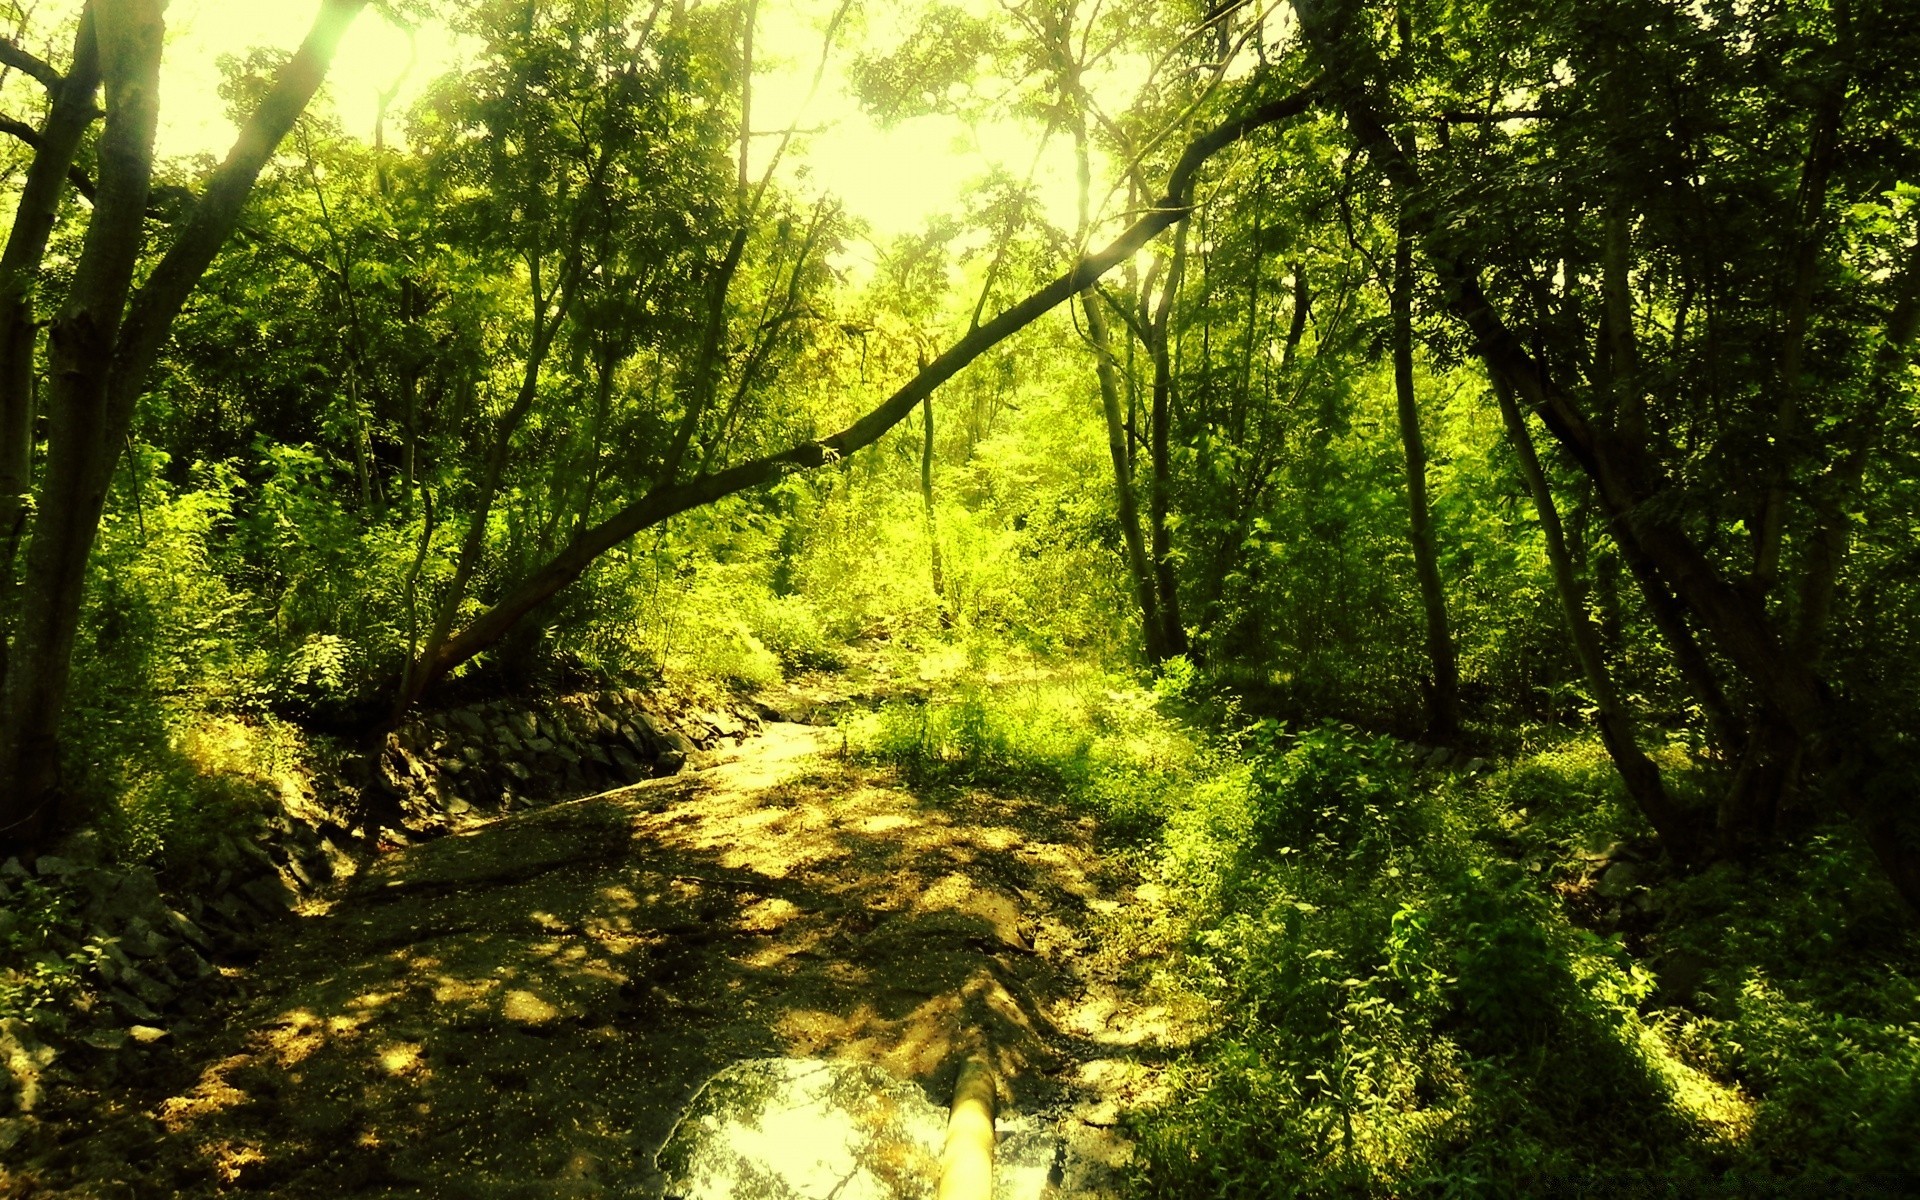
<point>1637,771</point>
<point>1867,779</point>
<point>34,217</point>
<point>99,361</point>
<point>81,445</point>
<point>1126,507</point>
<point>926,504</point>
<point>1443,692</point>
<point>1173,635</point>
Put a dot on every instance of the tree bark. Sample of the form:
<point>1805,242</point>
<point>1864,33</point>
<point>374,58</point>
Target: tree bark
<point>39,206</point>
<point>1173,635</point>
<point>1616,724</point>
<point>1126,505</point>
<point>81,446</point>
<point>1443,691</point>
<point>99,361</point>
<point>926,505</point>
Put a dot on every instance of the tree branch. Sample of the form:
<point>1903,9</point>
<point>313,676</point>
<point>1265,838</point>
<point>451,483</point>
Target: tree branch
<point>13,55</point>
<point>669,499</point>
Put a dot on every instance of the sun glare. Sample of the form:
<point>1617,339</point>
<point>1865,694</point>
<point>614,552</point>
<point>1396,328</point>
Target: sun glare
<point>896,178</point>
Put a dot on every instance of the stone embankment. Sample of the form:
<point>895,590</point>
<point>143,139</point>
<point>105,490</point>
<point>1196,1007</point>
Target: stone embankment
<point>100,963</point>
<point>470,764</point>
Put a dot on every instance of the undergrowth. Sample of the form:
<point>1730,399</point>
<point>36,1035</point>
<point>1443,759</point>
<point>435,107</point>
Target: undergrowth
<point>1419,985</point>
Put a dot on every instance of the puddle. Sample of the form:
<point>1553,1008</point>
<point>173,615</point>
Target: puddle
<point>804,1129</point>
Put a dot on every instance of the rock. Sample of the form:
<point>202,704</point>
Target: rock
<point>1619,879</point>
<point>50,866</point>
<point>670,762</point>
<point>298,870</point>
<point>186,962</point>
<point>467,719</point>
<point>132,1005</point>
<point>1439,757</point>
<point>539,745</point>
<point>9,921</point>
<point>135,893</point>
<point>12,1131</point>
<point>271,893</point>
<point>146,1035</point>
<point>150,990</point>
<point>140,940</point>
<point>626,765</point>
<point>26,1060</point>
<point>181,924</point>
<point>108,1039</point>
<point>11,869</point>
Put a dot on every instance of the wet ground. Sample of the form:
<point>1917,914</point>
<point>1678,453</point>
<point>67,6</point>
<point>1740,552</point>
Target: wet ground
<point>526,1009</point>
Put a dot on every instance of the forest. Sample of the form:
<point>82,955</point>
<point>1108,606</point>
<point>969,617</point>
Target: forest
<point>1305,596</point>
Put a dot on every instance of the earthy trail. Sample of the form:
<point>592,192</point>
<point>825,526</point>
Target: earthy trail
<point>525,1008</point>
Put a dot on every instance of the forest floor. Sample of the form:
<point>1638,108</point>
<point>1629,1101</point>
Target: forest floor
<point>525,1009</point>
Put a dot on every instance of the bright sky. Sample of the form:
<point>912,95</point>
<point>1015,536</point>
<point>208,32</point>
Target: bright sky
<point>895,178</point>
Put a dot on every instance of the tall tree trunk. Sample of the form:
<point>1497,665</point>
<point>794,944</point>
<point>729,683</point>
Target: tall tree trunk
<point>1173,635</point>
<point>1126,506</point>
<point>100,352</point>
<point>38,208</point>
<point>1443,692</point>
<point>926,505</point>
<point>1637,771</point>
<point>81,446</point>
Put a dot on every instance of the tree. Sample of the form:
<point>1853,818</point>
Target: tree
<point>103,344</point>
<point>1641,318</point>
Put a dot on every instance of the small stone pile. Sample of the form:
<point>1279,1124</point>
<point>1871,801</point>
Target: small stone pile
<point>133,962</point>
<point>470,764</point>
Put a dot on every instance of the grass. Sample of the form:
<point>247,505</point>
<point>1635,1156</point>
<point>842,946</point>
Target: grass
<point>1420,988</point>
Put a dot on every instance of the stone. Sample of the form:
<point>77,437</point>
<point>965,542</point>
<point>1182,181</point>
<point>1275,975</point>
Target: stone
<point>134,894</point>
<point>523,724</point>
<point>51,866</point>
<point>140,940</point>
<point>150,990</point>
<point>467,719</point>
<point>539,745</point>
<point>183,925</point>
<point>12,869</point>
<point>271,893</point>
<point>13,1130</point>
<point>26,1060</point>
<point>187,963</point>
<point>1439,757</point>
<point>299,871</point>
<point>628,767</point>
<point>670,762</point>
<point>146,1035</point>
<point>235,910</point>
<point>1619,879</point>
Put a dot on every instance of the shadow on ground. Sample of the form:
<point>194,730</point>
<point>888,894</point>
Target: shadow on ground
<point>524,1009</point>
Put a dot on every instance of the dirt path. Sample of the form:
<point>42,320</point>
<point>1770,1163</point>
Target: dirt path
<point>524,1009</point>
